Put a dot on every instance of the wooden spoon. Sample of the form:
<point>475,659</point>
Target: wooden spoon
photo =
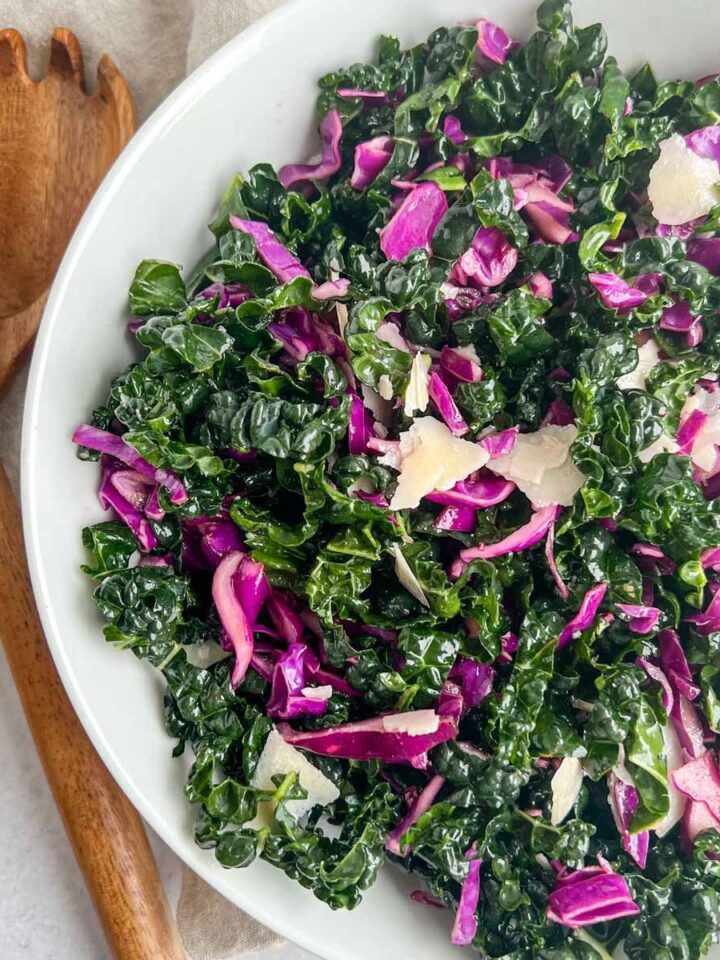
<point>55,145</point>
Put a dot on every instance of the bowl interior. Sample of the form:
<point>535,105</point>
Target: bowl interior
<point>252,101</point>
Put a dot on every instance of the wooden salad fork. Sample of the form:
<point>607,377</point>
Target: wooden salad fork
<point>56,144</point>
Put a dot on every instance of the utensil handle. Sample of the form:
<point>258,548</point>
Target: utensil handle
<point>106,833</point>
<point>18,333</point>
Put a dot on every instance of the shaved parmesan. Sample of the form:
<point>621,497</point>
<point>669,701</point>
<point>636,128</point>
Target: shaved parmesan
<point>279,757</point>
<point>541,467</point>
<point>364,484</point>
<point>620,770</point>
<point>416,394</point>
<point>431,458</point>
<point>318,693</point>
<point>543,450</point>
<point>341,311</point>
<point>675,760</point>
<point>565,786</point>
<point>449,291</point>
<point>415,722</point>
<point>682,184</point>
<point>407,578</point>
<point>391,458</point>
<point>385,387</point>
<point>469,352</point>
<point>704,454</point>
<point>700,399</point>
<point>204,655</point>
<point>648,359</point>
<point>389,333</point>
<point>380,408</point>
<point>663,444</point>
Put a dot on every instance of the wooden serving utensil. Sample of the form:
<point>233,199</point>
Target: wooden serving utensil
<point>56,144</point>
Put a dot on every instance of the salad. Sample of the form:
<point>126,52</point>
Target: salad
<point>413,497</point>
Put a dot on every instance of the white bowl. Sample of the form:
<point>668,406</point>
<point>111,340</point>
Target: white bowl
<point>250,102</point>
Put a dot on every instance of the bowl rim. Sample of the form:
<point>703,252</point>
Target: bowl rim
<point>193,87</point>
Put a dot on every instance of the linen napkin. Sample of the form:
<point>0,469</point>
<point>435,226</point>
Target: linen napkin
<point>155,43</point>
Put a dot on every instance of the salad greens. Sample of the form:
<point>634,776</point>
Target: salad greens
<point>414,497</point>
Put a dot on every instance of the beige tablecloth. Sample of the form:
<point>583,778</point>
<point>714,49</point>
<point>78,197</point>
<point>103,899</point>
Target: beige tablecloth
<point>155,43</point>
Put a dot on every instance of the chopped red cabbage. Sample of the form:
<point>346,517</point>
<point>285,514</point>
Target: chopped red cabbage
<point>465,925</point>
<point>413,224</point>
<point>133,486</point>
<point>237,595</point>
<point>371,157</point>
<point>488,262</point>
<point>214,537</point>
<point>697,818</point>
<point>679,319</point>
<point>652,559</point>
<point>372,97</point>
<point>523,538</point>
<point>379,738</point>
<point>289,678</point>
<point>228,294</point>
<point>536,188</point>
<point>475,680</point>
<point>274,255</point>
<point>657,674</point>
<point>447,408</point>
<point>699,780</point>
<point>706,252</point>
<point>616,293</point>
<point>452,128</point>
<point>360,426</point>
<point>641,619</point>
<point>559,413</point>
<point>585,616</point>
<point>460,365</point>
<point>710,557</point>
<point>456,519</point>
<point>330,162</point>
<point>420,805</point>
<point>282,610</point>
<point>552,565</point>
<point>624,801</point>
<point>500,444</point>
<point>422,896</point>
<point>708,621</point>
<point>95,439</point>
<point>705,142</point>
<point>540,286</point>
<point>492,41</point>
<point>331,289</point>
<point>687,724</point>
<point>130,515</point>
<point>591,895</point>
<point>478,494</point>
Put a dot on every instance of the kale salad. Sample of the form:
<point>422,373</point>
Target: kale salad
<point>414,497</point>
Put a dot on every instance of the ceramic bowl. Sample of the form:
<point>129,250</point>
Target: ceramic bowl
<point>251,101</point>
